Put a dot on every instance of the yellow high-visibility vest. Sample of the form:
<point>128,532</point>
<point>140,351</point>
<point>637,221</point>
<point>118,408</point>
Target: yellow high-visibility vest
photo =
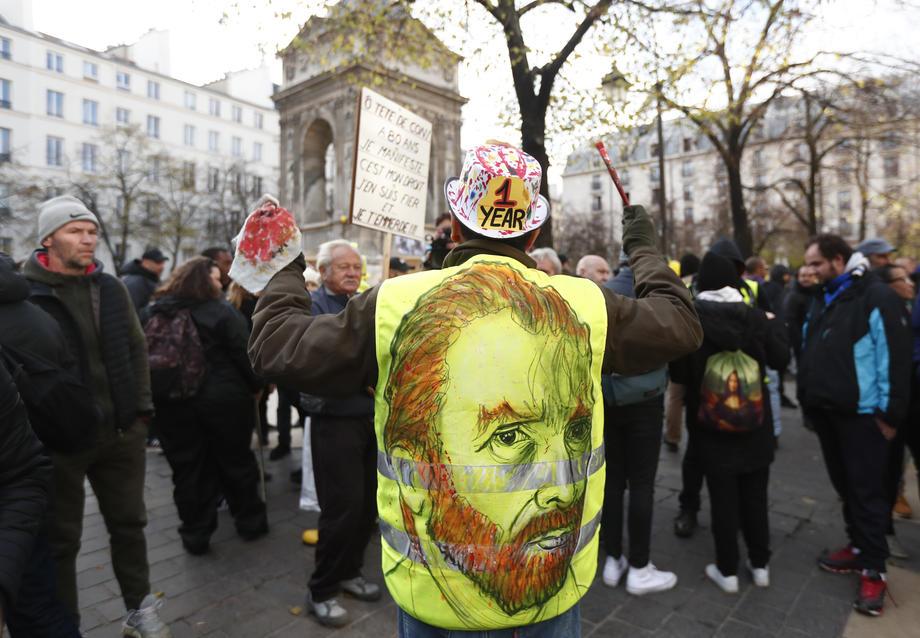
<point>489,425</point>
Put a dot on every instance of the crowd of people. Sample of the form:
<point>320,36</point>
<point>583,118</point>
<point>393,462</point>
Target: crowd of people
<point>498,418</point>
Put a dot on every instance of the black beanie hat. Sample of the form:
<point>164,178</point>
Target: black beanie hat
<point>689,265</point>
<point>716,272</point>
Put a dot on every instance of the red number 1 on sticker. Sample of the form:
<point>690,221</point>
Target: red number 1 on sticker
<point>504,191</point>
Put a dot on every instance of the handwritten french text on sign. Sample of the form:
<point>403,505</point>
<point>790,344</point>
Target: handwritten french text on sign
<point>391,168</point>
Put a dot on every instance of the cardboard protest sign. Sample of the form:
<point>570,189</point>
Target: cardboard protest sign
<point>392,152</point>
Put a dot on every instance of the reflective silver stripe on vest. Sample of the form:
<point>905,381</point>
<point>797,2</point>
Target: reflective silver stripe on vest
<point>473,479</point>
<point>407,545</point>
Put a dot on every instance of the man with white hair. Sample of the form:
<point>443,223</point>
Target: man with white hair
<point>547,261</point>
<point>593,267</point>
<point>341,428</point>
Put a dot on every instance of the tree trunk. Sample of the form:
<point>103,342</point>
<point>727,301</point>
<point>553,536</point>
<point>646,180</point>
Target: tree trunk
<point>740,224</point>
<point>533,142</point>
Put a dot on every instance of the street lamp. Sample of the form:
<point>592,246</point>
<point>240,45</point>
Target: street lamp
<point>615,87</point>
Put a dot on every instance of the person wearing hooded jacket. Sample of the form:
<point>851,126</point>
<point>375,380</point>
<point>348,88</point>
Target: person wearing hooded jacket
<point>25,485</point>
<point>24,326</point>
<point>854,385</point>
<point>206,438</point>
<point>691,475</point>
<point>736,463</point>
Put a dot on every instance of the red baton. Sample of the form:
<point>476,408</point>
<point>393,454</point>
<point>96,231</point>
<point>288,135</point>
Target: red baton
<point>613,173</point>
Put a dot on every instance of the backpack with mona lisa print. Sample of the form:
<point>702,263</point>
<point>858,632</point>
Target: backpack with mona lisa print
<point>731,394</point>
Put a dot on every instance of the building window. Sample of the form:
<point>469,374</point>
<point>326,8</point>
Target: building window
<point>54,151</point>
<point>6,243</point>
<point>55,103</point>
<point>153,126</point>
<point>688,144</point>
<point>237,113</point>
<point>844,200</point>
<point>890,141</point>
<point>688,214</point>
<point>595,182</point>
<point>236,182</point>
<point>845,174</point>
<point>656,196</point>
<point>257,120</point>
<point>190,100</point>
<point>91,112</point>
<point>596,203</point>
<point>688,193</point>
<point>189,135</point>
<point>891,166</point>
<point>89,158</point>
<point>90,71</point>
<point>256,152</point>
<point>654,150</point>
<point>236,147</point>
<point>124,160</point>
<point>4,144</point>
<point>213,141</point>
<point>653,174</point>
<point>153,90</point>
<point>624,177</point>
<point>4,48</point>
<point>123,81</point>
<point>255,188</point>
<point>760,181</point>
<point>214,107</point>
<point>758,157</point>
<point>5,95</point>
<point>188,175</point>
<point>54,62</point>
<point>213,180</point>
<point>122,116</point>
<point>686,169</point>
<point>153,170</point>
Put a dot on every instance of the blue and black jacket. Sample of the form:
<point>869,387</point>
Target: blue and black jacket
<point>856,352</point>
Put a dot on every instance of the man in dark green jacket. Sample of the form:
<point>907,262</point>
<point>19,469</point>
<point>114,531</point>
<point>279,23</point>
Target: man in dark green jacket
<point>103,333</point>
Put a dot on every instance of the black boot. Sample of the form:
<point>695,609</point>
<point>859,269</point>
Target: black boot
<point>685,524</point>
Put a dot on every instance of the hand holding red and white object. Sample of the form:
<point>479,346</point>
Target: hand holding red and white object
<point>269,240</point>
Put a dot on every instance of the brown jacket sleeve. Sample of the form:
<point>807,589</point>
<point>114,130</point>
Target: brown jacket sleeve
<point>326,355</point>
<point>658,326</point>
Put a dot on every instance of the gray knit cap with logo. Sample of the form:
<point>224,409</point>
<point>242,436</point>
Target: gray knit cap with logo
<point>57,211</point>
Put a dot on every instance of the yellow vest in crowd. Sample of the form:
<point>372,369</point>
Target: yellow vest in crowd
<point>489,426</point>
<point>749,294</point>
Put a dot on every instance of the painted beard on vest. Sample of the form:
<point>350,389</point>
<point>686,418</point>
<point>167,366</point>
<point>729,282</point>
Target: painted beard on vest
<point>519,572</point>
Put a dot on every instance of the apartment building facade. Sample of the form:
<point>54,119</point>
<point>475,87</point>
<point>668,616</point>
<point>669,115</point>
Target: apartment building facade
<point>62,105</point>
<point>868,182</point>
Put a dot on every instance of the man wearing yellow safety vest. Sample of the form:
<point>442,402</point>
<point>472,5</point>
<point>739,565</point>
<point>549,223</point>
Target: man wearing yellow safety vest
<point>489,414</point>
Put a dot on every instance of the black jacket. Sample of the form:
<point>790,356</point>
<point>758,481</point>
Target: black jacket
<point>25,483</point>
<point>796,304</point>
<point>731,326</point>
<point>24,325</point>
<point>223,333</point>
<point>856,358</point>
<point>140,283</point>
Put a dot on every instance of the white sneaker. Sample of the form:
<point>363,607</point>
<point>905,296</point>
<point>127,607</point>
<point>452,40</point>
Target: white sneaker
<point>648,580</point>
<point>761,575</point>
<point>614,569</point>
<point>328,612</point>
<point>728,584</point>
<point>145,622</point>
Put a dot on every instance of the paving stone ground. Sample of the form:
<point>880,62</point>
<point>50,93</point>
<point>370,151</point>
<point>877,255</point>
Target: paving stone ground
<point>254,589</point>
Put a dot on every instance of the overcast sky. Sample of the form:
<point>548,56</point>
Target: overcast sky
<point>205,45</point>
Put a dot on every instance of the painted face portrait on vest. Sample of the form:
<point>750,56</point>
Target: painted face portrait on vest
<point>491,390</point>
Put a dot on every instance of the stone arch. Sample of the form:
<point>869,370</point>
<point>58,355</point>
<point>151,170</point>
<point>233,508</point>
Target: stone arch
<point>318,162</point>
